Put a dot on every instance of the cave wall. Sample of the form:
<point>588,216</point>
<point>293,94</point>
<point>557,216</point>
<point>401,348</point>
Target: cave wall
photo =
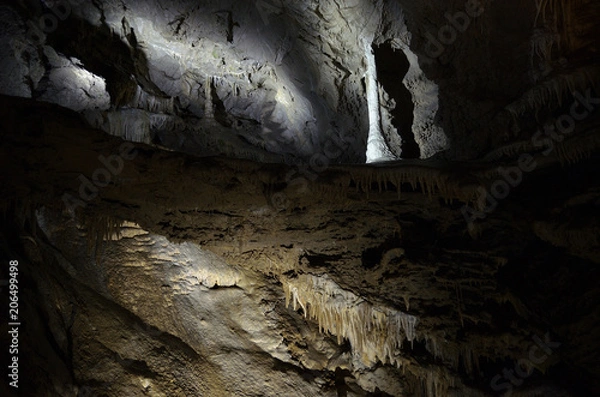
<point>277,82</point>
<point>177,236</point>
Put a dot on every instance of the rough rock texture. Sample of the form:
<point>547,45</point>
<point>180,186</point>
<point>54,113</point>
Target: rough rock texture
<point>185,188</point>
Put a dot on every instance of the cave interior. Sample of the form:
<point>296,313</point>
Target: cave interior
<point>299,197</point>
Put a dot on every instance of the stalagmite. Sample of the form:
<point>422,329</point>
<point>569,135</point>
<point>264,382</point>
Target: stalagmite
<point>377,149</point>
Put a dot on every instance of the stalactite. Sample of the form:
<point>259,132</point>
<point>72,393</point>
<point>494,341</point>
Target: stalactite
<point>542,43</point>
<point>553,91</point>
<point>557,15</point>
<point>374,332</point>
<point>429,180</point>
<point>164,122</point>
<point>151,103</point>
<point>132,125</point>
<point>581,240</point>
<point>430,381</point>
<point>438,382</point>
<point>99,229</point>
<point>209,110</point>
<point>575,150</point>
<point>509,150</point>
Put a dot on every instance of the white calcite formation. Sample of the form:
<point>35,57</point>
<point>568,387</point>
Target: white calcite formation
<point>377,149</point>
<point>375,332</point>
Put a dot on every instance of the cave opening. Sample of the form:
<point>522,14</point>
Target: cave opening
<point>392,65</point>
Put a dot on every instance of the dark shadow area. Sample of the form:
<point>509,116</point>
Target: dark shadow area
<point>392,66</point>
<point>103,53</point>
<point>371,257</point>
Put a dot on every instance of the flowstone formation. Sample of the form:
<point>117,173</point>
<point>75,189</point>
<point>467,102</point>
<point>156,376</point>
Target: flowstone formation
<point>302,198</point>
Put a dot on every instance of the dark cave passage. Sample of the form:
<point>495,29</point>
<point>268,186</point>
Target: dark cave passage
<point>392,66</point>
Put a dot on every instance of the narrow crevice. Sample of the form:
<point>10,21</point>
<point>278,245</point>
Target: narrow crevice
<point>392,65</point>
